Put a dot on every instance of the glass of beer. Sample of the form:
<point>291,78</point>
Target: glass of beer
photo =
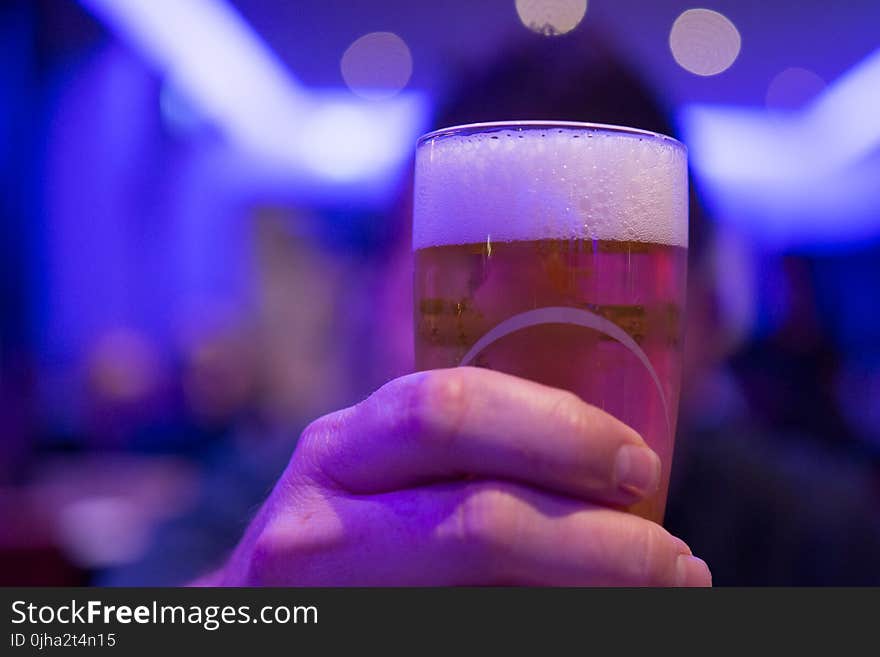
<point>557,252</point>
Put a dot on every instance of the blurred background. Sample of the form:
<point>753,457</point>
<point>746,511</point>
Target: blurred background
<point>205,223</point>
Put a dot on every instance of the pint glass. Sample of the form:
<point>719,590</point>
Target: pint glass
<point>557,252</point>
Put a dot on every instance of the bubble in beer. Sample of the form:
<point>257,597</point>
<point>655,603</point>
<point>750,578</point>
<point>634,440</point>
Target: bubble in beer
<point>377,65</point>
<point>704,42</point>
<point>551,17</point>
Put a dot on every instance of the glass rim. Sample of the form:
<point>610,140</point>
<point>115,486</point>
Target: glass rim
<point>492,126</point>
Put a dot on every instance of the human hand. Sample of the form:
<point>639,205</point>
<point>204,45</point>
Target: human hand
<point>463,476</point>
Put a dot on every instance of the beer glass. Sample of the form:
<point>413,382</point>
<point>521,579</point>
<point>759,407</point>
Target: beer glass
<point>557,252</point>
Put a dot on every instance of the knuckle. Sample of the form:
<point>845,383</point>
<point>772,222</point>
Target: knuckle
<point>436,405</point>
<point>570,412</point>
<point>314,452</point>
<point>653,561</point>
<point>486,519</point>
<point>318,431</point>
<point>624,549</point>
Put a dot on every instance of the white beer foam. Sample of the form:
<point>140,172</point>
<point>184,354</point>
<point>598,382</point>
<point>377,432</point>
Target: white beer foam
<point>555,182</point>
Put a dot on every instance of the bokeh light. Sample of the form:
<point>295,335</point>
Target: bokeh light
<point>551,17</point>
<point>793,88</point>
<point>377,65</point>
<point>704,42</point>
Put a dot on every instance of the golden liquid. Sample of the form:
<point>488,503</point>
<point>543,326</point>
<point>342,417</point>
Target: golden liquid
<point>464,291</point>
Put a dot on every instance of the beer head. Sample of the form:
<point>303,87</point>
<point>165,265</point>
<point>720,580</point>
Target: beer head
<point>534,180</point>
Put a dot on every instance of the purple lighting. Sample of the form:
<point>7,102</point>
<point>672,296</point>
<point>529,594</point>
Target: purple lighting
<point>795,178</point>
<point>207,51</point>
<point>318,142</point>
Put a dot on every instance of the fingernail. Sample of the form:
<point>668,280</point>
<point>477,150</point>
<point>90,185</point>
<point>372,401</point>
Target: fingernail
<point>637,470</point>
<point>692,571</point>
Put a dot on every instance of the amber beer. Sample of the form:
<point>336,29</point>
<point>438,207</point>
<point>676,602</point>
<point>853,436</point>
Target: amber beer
<point>557,252</point>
